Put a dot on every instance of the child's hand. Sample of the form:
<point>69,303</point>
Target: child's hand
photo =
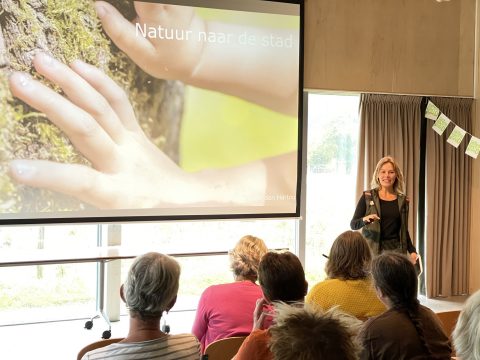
<point>253,73</point>
<point>128,170</point>
<point>148,41</point>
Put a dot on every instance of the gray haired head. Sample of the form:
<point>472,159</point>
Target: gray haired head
<point>466,336</point>
<point>152,284</point>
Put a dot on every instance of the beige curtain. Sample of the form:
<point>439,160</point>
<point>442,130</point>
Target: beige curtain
<point>390,125</point>
<point>448,182</point>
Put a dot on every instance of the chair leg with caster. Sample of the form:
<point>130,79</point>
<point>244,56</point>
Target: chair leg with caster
<point>89,323</point>
<point>107,334</point>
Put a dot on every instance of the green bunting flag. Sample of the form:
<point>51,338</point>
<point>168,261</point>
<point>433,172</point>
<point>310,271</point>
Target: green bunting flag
<point>473,147</point>
<point>457,135</point>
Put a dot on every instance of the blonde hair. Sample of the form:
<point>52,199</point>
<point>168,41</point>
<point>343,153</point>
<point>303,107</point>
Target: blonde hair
<point>398,185</point>
<point>246,255</point>
<point>466,336</point>
<point>309,333</point>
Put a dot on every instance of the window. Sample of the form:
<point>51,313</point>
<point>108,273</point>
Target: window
<point>60,291</point>
<point>205,236</point>
<point>333,126</point>
<point>67,291</point>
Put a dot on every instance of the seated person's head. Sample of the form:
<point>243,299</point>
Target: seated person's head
<point>466,336</point>
<point>395,279</point>
<point>308,333</point>
<point>350,257</point>
<point>246,256</point>
<point>151,286</point>
<point>282,277</point>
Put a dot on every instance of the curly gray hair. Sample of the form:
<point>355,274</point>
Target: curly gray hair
<point>151,285</point>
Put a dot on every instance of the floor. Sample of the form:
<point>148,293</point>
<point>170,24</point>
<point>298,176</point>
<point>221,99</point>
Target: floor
<point>62,339</point>
<point>443,304</point>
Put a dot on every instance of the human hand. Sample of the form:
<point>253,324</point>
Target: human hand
<point>259,314</point>
<point>162,57</point>
<point>252,74</point>
<point>413,258</point>
<point>127,171</point>
<point>370,218</point>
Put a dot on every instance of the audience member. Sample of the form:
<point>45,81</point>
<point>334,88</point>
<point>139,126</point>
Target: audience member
<point>282,278</point>
<point>466,336</point>
<point>349,284</point>
<point>225,310</point>
<point>407,330</point>
<point>150,289</point>
<point>309,333</point>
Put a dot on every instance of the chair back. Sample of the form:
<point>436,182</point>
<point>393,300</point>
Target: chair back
<point>448,320</point>
<point>223,349</point>
<point>96,345</point>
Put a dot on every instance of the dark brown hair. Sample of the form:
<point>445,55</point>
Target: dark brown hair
<point>395,276</point>
<point>350,257</point>
<point>282,277</point>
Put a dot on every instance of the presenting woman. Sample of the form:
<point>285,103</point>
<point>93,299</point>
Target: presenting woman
<point>382,212</point>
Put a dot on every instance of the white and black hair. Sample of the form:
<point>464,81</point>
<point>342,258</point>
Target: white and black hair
<point>151,285</point>
<point>466,336</point>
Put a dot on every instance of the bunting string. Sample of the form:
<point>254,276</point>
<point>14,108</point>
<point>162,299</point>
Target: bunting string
<point>457,135</point>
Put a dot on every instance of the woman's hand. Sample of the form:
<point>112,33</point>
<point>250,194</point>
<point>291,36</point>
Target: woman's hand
<point>413,258</point>
<point>128,170</point>
<point>259,315</point>
<point>370,218</point>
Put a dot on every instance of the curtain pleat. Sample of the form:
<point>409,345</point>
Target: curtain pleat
<point>390,125</point>
<point>448,182</point>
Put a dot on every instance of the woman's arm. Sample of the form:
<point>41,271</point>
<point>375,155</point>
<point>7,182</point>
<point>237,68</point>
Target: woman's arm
<point>412,251</point>
<point>357,220</point>
<point>410,247</point>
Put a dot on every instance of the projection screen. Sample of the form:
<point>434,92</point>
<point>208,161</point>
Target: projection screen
<point>129,110</point>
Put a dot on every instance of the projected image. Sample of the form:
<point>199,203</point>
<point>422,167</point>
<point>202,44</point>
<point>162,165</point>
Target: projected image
<point>148,110</point>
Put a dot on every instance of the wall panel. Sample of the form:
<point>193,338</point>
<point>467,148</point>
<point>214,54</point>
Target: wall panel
<point>390,46</point>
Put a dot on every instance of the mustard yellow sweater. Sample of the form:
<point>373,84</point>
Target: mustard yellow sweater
<point>355,297</point>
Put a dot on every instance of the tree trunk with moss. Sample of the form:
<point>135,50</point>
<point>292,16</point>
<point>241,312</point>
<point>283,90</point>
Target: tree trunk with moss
<point>69,30</point>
